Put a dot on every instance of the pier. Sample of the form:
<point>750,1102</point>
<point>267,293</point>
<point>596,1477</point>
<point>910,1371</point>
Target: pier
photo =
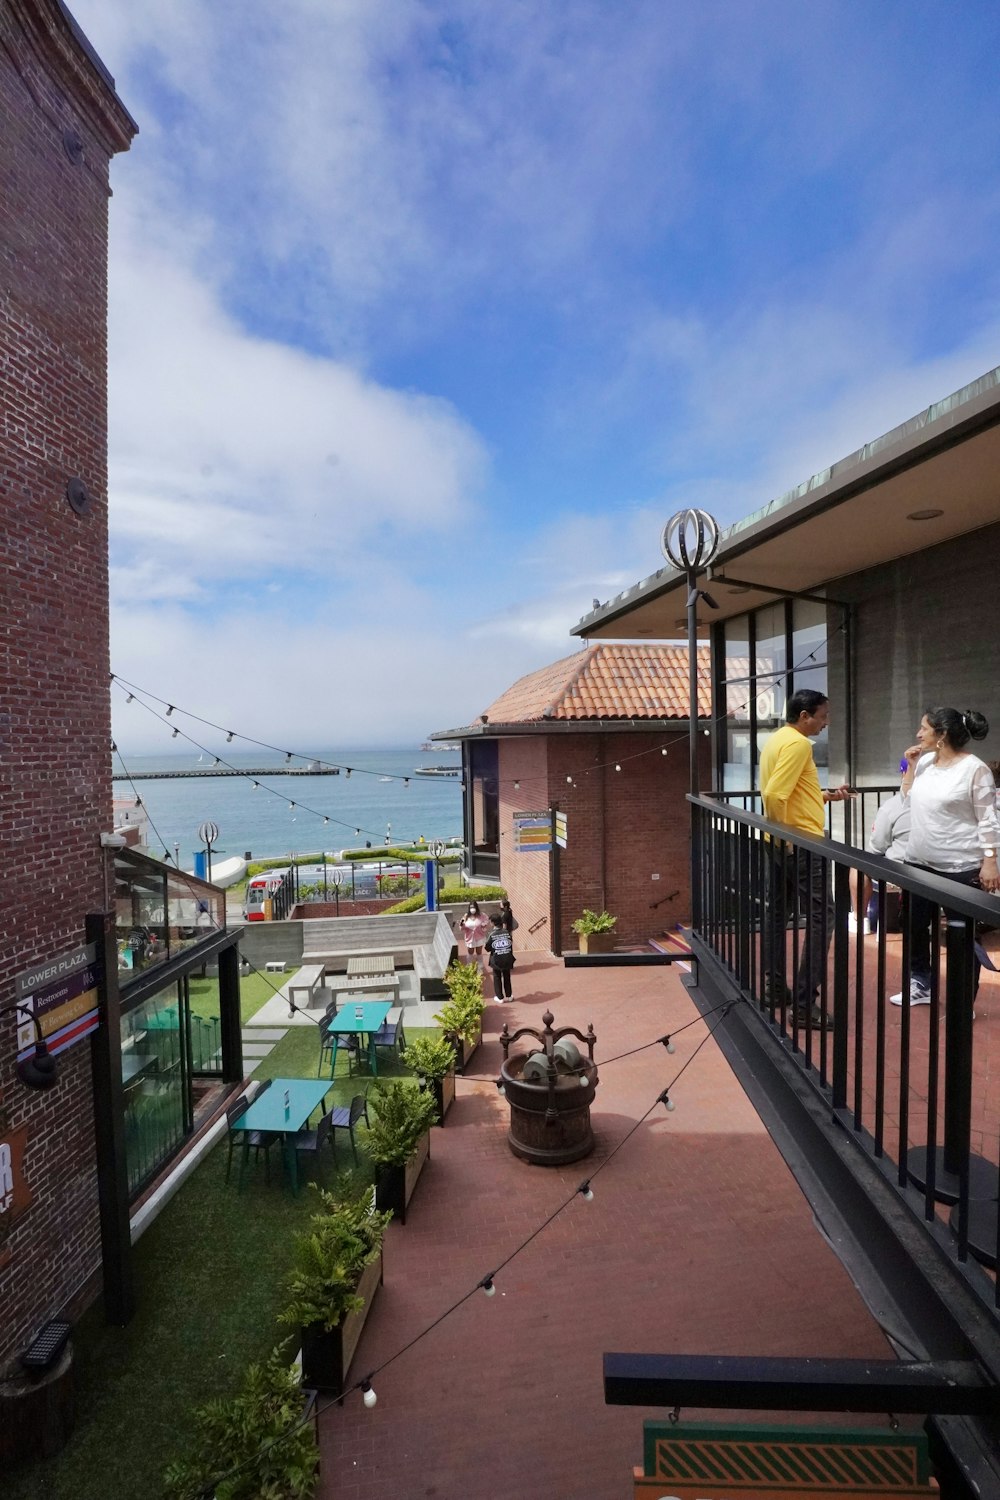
<point>220,771</point>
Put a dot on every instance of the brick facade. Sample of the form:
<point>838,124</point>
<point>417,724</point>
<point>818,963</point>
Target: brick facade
<point>60,122</point>
<point>623,828</point>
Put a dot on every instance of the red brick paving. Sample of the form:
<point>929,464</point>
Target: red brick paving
<point>698,1241</point>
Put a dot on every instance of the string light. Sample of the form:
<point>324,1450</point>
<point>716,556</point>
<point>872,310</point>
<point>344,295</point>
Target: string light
<point>586,1191</point>
<point>617,766</point>
<point>229,738</point>
<point>664,750</point>
<point>584,1081</point>
<point>288,757</point>
<point>488,1287</point>
<point>667,1102</point>
<point>500,1088</point>
<point>175,734</point>
<point>170,710</point>
<point>291,807</point>
<point>569,780</point>
<point>348,772</point>
<point>368,1395</point>
<point>668,1044</point>
<point>517,786</point>
<point>130,698</point>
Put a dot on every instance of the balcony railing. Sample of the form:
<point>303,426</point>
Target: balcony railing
<point>914,1088</point>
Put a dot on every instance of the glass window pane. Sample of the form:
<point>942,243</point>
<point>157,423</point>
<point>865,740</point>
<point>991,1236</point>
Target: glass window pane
<point>809,648</point>
<point>736,768</point>
<point>206,1025</point>
<point>771,640</point>
<point>770,702</point>
<point>737,638</point>
<point>154,1087</point>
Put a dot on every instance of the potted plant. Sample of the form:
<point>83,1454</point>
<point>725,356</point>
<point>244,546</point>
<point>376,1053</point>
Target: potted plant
<point>399,1141</point>
<point>461,1016</point>
<point>596,930</point>
<point>336,1271</point>
<point>432,1058</point>
<point>260,1433</point>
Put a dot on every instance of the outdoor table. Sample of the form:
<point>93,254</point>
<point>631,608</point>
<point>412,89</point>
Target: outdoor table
<point>268,1112</point>
<point>365,1016</point>
<point>367,964</point>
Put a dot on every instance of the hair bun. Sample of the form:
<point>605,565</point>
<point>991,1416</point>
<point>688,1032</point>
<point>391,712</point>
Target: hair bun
<point>976,724</point>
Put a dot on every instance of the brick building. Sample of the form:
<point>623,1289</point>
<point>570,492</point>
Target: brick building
<point>60,124</point>
<point>601,738</point>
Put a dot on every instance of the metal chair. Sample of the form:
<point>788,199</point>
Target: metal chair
<point>255,1140</point>
<point>390,1034</point>
<point>334,1042</point>
<point>234,1112</point>
<point>312,1141</point>
<point>344,1118</point>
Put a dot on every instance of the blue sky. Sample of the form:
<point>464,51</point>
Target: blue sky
<point>425,316</point>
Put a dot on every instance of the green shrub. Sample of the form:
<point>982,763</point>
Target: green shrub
<point>462,1013</point>
<point>594,921</point>
<point>450,895</point>
<point>433,1056</point>
<point>259,1431</point>
<point>400,1115</point>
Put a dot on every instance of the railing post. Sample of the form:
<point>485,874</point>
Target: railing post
<point>841,905</point>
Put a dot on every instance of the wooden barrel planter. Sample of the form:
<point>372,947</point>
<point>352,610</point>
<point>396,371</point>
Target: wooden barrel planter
<point>327,1353</point>
<point>394,1185</point>
<point>549,1092</point>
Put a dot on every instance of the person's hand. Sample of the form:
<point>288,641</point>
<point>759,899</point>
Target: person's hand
<point>840,794</point>
<point>989,875</point>
<point>913,754</point>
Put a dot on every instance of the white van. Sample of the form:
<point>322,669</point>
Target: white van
<point>260,889</point>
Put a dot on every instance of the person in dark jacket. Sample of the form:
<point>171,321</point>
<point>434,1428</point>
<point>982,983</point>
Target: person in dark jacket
<point>509,919</point>
<point>500,947</point>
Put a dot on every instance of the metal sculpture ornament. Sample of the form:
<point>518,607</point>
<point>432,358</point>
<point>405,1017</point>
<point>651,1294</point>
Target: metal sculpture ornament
<point>690,540</point>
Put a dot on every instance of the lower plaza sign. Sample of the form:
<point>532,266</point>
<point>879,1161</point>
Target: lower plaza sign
<point>709,1461</point>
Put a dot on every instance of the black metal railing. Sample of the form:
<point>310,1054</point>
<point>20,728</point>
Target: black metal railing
<point>915,1095</point>
<point>848,822</point>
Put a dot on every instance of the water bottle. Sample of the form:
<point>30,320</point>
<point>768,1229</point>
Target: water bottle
<point>288,1103</point>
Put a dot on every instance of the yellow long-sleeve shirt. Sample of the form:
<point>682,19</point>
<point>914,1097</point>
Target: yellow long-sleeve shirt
<point>789,784</point>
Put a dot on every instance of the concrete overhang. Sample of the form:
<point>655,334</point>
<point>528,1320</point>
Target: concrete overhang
<point>852,516</point>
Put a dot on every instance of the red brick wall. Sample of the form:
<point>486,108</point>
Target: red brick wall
<point>623,828</point>
<point>55,770</point>
<point>525,876</point>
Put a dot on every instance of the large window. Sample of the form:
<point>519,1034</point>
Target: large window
<point>766,656</point>
<point>155,1072</point>
<point>482,807</point>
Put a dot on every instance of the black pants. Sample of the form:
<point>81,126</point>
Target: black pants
<point>923,913</point>
<point>501,982</point>
<point>792,876</point>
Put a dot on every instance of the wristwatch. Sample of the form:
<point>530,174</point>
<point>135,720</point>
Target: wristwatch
<point>989,854</point>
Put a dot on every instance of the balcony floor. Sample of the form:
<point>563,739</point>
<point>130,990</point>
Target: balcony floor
<point>698,1241</point>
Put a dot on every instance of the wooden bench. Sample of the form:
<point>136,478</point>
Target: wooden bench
<point>305,982</point>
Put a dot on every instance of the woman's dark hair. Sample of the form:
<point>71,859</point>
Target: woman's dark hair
<point>806,701</point>
<point>957,726</point>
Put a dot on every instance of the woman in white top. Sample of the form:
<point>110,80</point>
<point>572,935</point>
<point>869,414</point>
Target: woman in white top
<point>954,830</point>
<point>475,925</point>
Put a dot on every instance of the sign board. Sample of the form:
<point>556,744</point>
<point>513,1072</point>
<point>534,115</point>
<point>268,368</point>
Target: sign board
<point>533,832</point>
<point>62,993</point>
<point>710,1461</point>
<point>561,829</point>
<point>15,1195</point>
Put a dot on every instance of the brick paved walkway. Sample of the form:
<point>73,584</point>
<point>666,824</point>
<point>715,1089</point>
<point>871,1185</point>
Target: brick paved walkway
<point>697,1241</point>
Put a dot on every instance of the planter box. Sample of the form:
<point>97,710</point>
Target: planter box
<point>597,942</point>
<point>326,1356</point>
<point>394,1185</point>
<point>464,1050</point>
<point>443,1090</point>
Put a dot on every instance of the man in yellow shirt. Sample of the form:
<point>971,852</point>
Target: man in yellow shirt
<point>792,795</point>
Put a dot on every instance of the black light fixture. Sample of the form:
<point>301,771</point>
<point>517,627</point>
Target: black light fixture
<point>40,1070</point>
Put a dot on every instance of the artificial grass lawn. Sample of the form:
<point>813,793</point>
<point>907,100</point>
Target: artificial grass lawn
<point>255,989</point>
<point>208,1274</point>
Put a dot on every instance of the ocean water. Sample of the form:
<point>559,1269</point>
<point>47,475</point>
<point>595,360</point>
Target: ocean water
<point>262,821</point>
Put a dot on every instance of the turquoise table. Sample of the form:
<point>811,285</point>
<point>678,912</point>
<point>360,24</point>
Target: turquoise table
<point>365,1016</point>
<point>268,1112</point>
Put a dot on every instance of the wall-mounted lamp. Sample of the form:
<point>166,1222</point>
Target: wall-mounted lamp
<point>39,1071</point>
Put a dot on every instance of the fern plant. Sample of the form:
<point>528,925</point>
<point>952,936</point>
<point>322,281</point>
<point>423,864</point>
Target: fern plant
<point>432,1056</point>
<point>329,1258</point>
<point>260,1433</point>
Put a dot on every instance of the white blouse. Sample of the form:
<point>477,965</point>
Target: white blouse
<point>954,813</point>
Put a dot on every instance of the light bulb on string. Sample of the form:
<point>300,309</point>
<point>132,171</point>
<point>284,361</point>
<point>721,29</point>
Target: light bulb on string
<point>175,734</point>
<point>129,698</point>
<point>368,1395</point>
<point>291,807</point>
<point>229,737</point>
<point>218,762</point>
<point>488,1287</point>
<point>667,1042</point>
<point>584,1081</point>
<point>663,751</point>
<point>170,709</point>
<point>586,1192</point>
<point>569,780</point>
<point>517,786</point>
<point>348,772</point>
<point>617,766</point>
<point>667,1102</point>
<point>326,820</point>
<point>500,1088</point>
<point>288,757</point>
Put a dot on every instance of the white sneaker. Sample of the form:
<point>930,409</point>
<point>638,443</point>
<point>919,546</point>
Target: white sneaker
<point>852,924</point>
<point>920,994</point>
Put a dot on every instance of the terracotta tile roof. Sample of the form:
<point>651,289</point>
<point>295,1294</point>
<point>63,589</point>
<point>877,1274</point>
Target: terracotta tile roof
<point>607,681</point>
